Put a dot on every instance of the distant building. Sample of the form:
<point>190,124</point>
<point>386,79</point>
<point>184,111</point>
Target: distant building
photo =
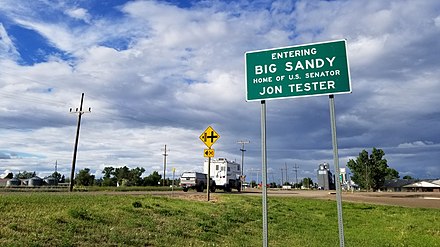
<point>411,185</point>
<point>427,185</point>
<point>396,185</point>
<point>343,175</point>
<point>325,177</point>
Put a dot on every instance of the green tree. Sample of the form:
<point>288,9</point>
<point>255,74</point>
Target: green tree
<point>307,182</point>
<point>57,176</point>
<point>407,177</point>
<point>108,179</point>
<point>26,175</point>
<point>84,178</point>
<point>152,179</point>
<point>122,173</point>
<point>108,171</point>
<point>391,174</point>
<point>370,171</point>
<point>135,176</point>
<point>123,176</point>
<point>9,176</point>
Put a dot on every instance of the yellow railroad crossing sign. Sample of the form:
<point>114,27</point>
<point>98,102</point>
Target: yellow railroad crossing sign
<point>209,136</point>
<point>208,153</point>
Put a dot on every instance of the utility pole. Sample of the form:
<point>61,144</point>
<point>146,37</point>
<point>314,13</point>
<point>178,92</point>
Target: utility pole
<point>164,162</point>
<point>80,112</point>
<point>285,165</point>
<point>172,186</point>
<point>282,177</point>
<point>273,178</point>
<point>295,167</point>
<point>242,159</point>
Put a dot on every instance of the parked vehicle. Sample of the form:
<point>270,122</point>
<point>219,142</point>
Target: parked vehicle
<point>225,174</point>
<point>195,180</point>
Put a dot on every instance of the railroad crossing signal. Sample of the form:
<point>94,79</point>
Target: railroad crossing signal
<point>208,153</point>
<point>209,136</point>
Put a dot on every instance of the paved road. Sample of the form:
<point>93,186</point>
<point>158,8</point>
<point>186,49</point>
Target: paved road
<point>405,199</point>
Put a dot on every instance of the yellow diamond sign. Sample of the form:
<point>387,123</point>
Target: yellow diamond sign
<point>209,136</point>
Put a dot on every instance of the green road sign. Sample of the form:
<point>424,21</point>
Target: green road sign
<point>297,71</point>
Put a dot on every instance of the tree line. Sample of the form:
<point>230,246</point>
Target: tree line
<point>368,171</point>
<point>121,176</point>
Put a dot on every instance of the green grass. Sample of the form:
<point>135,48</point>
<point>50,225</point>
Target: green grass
<point>96,219</point>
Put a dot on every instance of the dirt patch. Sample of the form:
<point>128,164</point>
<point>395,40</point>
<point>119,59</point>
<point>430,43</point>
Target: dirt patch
<point>196,197</point>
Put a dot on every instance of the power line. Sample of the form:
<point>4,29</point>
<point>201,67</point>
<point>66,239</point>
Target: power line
<point>295,168</point>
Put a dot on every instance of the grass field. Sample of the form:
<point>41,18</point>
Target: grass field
<point>118,219</point>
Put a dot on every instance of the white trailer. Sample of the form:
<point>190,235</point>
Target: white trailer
<point>225,174</point>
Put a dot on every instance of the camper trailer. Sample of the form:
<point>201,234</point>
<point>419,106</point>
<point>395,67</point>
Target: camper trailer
<point>225,174</point>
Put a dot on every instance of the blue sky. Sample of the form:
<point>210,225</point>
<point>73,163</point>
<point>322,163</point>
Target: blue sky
<point>160,72</point>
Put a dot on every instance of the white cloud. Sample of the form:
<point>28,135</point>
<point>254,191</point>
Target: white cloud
<point>366,50</point>
<point>80,14</point>
<point>437,21</point>
<point>415,144</point>
<point>7,48</point>
<point>159,74</point>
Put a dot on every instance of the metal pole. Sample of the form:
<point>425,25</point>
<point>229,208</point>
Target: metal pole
<point>164,164</point>
<point>337,171</point>
<point>264,170</point>
<point>258,178</point>
<point>209,177</point>
<point>75,149</point>
<point>282,177</point>
<point>172,188</point>
<point>296,174</point>
<point>242,160</point>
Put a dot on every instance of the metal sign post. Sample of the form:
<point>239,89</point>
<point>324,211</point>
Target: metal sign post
<point>209,178</point>
<point>336,163</point>
<point>209,137</point>
<point>264,170</point>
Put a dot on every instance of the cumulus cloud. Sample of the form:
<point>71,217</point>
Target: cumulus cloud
<point>156,73</point>
<point>80,14</point>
